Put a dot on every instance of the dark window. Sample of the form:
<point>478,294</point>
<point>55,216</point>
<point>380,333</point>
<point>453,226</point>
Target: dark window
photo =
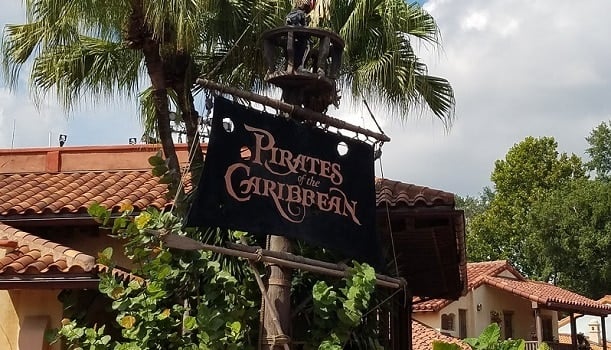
<point>447,322</point>
<point>508,324</point>
<point>462,323</point>
<point>548,331</point>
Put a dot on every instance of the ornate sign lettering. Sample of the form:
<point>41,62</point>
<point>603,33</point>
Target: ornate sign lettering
<point>270,175</point>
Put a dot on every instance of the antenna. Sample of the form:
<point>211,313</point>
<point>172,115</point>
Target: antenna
<point>13,137</point>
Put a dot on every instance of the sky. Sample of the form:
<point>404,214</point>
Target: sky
<point>518,67</point>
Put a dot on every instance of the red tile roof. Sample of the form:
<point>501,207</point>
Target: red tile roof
<point>60,193</point>
<point>397,193</point>
<point>567,320</point>
<point>478,271</point>
<point>548,295</point>
<point>36,256</point>
<point>423,337</point>
<point>566,339</point>
<point>27,255</point>
<point>475,277</point>
<point>41,181</point>
<point>73,192</point>
<point>543,293</point>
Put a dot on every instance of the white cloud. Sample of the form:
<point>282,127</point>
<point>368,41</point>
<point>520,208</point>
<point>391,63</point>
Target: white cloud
<point>21,124</point>
<point>519,68</point>
<point>476,21</point>
<point>111,122</point>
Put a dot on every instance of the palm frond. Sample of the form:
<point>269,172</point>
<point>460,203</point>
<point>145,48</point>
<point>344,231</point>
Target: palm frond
<point>18,43</point>
<point>438,95</point>
<point>91,66</point>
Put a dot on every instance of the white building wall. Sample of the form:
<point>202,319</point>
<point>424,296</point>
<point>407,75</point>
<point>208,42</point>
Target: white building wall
<point>490,299</point>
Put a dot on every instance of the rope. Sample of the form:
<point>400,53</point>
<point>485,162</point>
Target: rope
<point>392,237</point>
<point>373,117</point>
<point>382,302</point>
<point>259,253</point>
<point>218,65</point>
<point>186,169</point>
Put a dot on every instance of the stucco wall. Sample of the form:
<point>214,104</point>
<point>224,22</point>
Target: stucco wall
<point>17,305</point>
<point>9,322</point>
<point>491,299</point>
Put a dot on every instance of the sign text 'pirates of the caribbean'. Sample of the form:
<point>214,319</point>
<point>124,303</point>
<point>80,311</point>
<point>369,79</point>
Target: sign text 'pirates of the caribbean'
<point>269,175</point>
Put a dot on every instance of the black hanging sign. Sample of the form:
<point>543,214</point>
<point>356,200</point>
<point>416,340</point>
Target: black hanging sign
<point>271,175</point>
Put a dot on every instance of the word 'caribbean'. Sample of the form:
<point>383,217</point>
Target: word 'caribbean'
<point>291,200</point>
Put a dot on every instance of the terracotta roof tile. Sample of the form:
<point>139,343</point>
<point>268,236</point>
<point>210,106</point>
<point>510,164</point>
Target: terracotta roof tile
<point>119,274</point>
<point>423,337</point>
<point>567,320</point>
<point>35,194</point>
<point>35,255</point>
<point>566,339</point>
<point>475,277</point>
<point>73,192</point>
<point>543,293</point>
<point>547,294</point>
<point>397,193</point>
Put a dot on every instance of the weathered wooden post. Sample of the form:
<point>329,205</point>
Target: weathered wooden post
<point>300,178</point>
<point>311,86</point>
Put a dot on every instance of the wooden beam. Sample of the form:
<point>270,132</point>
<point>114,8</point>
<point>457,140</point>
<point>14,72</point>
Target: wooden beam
<point>538,323</point>
<point>573,330</point>
<point>300,113</point>
<point>283,259</point>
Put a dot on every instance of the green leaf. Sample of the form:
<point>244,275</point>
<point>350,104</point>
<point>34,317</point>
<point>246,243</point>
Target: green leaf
<point>156,160</point>
<point>105,256</point>
<point>127,322</point>
<point>189,323</point>
<point>491,334</point>
<point>159,170</point>
<point>235,327</point>
<point>117,292</point>
<point>164,314</point>
<point>440,345</point>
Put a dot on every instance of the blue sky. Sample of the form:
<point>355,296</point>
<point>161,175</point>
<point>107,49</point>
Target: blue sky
<point>519,68</point>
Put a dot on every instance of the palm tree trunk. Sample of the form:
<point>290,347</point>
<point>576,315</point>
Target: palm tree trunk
<point>190,117</point>
<point>139,36</point>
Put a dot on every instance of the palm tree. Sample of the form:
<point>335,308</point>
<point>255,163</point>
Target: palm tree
<point>103,48</point>
<point>380,62</point>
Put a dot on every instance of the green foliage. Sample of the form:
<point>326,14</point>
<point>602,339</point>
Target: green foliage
<point>544,346</point>
<point>600,151</point>
<point>192,300</point>
<point>162,170</point>
<point>440,345</point>
<point>81,337</point>
<point>531,170</point>
<point>97,49</point>
<point>574,221</point>
<point>490,339</point>
<point>338,313</point>
<point>473,206</point>
<point>185,301</point>
<point>547,217</point>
